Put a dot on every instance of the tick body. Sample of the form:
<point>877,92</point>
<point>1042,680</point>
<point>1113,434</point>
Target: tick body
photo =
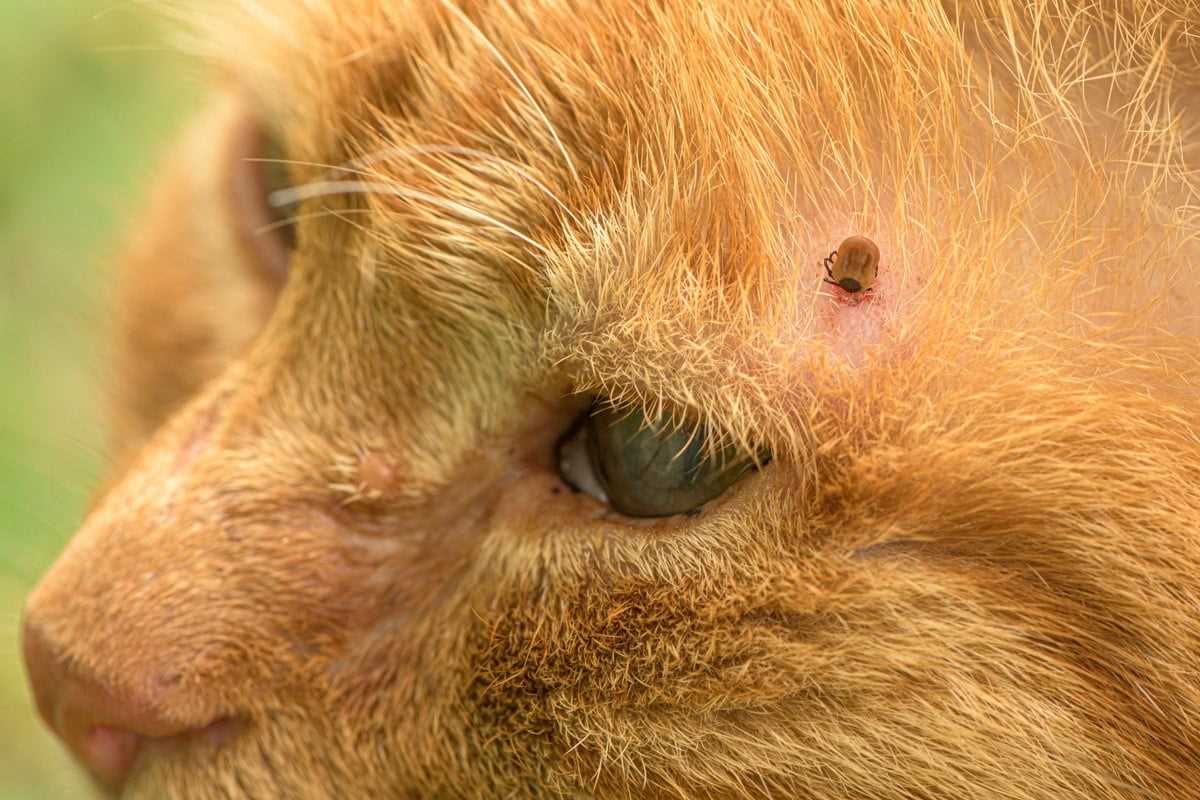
<point>854,265</point>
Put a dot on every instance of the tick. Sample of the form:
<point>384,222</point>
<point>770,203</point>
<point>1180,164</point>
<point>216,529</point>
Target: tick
<point>854,265</point>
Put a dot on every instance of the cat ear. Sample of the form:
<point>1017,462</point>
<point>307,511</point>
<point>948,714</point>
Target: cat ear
<point>201,275</point>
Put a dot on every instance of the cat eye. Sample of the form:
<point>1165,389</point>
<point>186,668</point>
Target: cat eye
<point>643,468</point>
<point>276,179</point>
<point>260,173</point>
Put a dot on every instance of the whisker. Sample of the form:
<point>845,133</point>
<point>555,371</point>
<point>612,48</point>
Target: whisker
<point>294,218</point>
<point>308,191</point>
<point>410,151</point>
<point>351,167</point>
<point>456,11</point>
<point>293,162</point>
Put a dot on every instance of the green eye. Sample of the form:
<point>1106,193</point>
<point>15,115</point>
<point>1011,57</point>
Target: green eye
<point>644,469</point>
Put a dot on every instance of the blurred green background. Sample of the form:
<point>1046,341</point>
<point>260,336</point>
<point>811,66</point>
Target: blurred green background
<point>90,93</point>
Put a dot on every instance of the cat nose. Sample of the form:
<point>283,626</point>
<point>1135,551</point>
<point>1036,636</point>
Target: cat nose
<point>105,726</point>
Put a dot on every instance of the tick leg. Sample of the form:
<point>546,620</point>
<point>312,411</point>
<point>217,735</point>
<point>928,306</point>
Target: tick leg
<point>828,262</point>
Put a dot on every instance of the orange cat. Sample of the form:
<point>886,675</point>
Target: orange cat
<point>514,441</point>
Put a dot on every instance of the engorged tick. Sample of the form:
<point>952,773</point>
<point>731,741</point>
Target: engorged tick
<point>854,265</point>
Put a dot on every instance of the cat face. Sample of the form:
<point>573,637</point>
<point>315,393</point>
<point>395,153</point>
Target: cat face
<point>510,443</point>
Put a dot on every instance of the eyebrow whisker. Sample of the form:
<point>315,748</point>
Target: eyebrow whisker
<point>354,166</point>
<point>512,73</point>
<point>309,191</point>
<point>294,218</point>
<point>411,151</point>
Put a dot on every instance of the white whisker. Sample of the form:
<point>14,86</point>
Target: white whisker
<point>314,164</point>
<point>449,149</point>
<point>351,167</point>
<point>294,218</point>
<point>454,9</point>
<point>296,194</point>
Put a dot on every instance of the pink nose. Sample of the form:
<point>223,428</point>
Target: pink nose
<point>103,725</point>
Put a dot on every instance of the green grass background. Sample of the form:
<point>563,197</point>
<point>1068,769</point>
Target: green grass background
<point>90,92</point>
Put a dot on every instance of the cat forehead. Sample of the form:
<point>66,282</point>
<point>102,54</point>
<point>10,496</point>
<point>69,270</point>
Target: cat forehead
<point>659,163</point>
<point>662,80</point>
<point>539,131</point>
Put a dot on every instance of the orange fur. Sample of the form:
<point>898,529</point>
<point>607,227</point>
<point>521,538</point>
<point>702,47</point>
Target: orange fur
<point>972,567</point>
